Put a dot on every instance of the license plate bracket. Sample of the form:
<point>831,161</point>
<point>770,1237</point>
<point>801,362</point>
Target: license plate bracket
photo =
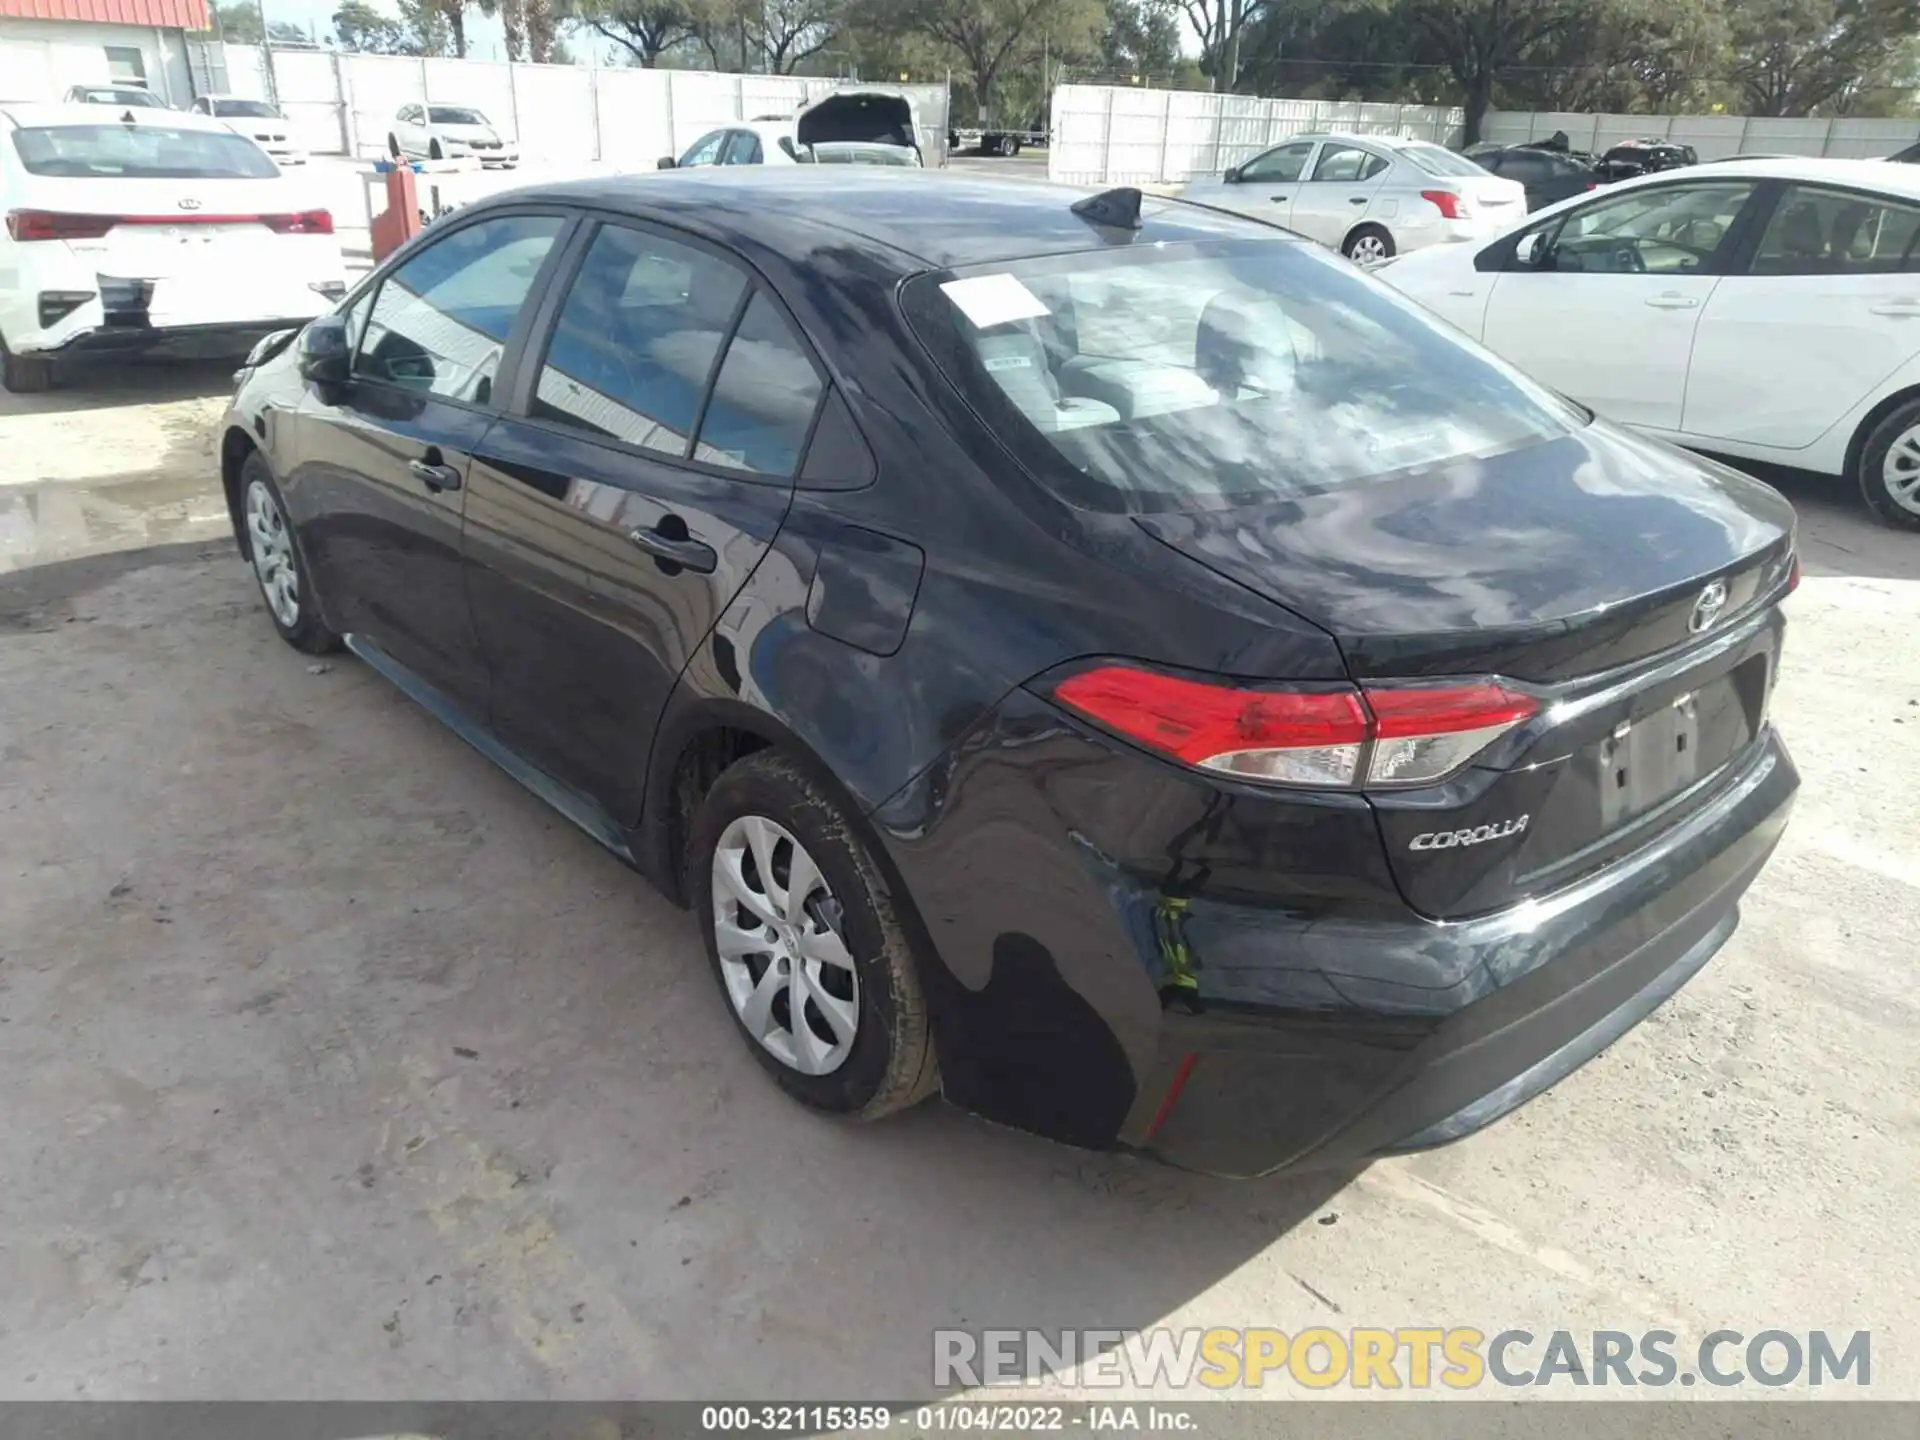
<point>1645,760</point>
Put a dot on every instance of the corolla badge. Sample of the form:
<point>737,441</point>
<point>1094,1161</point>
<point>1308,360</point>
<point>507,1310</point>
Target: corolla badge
<point>1477,835</point>
<point>1707,608</point>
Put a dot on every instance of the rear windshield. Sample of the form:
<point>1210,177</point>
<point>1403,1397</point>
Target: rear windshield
<point>456,115</point>
<point>140,152</point>
<point>1201,376</point>
<point>258,109</point>
<point>1436,161</point>
<point>140,99</point>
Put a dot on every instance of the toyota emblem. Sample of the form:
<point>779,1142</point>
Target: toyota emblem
<point>1707,608</point>
<point>189,204</point>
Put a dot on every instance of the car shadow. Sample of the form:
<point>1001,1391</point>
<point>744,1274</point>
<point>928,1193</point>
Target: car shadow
<point>1838,534</point>
<point>105,384</point>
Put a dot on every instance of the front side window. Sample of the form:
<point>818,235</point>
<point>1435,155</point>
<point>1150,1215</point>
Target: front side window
<point>1210,375</point>
<point>705,150</point>
<point>1663,230</point>
<point>636,340</point>
<point>1279,167</point>
<point>440,322</point>
<point>764,398</point>
<point>1347,162</point>
<point>140,152</point>
<point>1833,232</point>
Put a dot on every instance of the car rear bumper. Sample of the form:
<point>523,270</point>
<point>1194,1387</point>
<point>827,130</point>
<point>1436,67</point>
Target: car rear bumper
<point>198,342</point>
<point>1542,988</point>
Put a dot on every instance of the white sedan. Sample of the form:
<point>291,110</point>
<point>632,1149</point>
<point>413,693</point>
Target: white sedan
<point>1368,196</point>
<point>449,132</point>
<point>148,231</point>
<point>1763,309</point>
<point>258,121</point>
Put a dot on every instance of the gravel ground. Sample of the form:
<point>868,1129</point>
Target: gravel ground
<point>337,1065</point>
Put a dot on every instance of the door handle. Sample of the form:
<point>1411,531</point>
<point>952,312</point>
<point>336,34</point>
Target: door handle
<point>432,473</point>
<point>1672,302</point>
<point>684,551</point>
<point>1276,198</point>
<point>1356,200</point>
<point>1907,308</point>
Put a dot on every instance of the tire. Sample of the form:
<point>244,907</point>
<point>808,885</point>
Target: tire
<point>393,146</point>
<point>295,611</point>
<point>1888,470</point>
<point>769,804</point>
<point>433,151</point>
<point>25,374</point>
<point>1367,245</point>
<point>1013,147</point>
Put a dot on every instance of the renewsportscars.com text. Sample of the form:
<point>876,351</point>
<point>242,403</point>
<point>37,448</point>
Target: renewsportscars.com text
<point>1406,1357</point>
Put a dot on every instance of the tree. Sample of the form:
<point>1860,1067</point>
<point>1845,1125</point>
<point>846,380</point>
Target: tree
<point>427,29</point>
<point>1221,25</point>
<point>237,22</point>
<point>363,28</point>
<point>1793,56</point>
<point>989,37</point>
<point>1481,41</point>
<point>643,28</point>
<point>1140,37</point>
<point>453,14</point>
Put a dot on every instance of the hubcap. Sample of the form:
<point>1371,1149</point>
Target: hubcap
<point>1900,472</point>
<point>778,929</point>
<point>272,554</point>
<point>1369,250</point>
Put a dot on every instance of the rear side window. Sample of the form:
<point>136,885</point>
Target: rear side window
<point>1210,375</point>
<point>140,152</point>
<point>765,397</point>
<point>1832,232</point>
<point>1436,161</point>
<point>440,322</point>
<point>636,340</point>
<point>1347,162</point>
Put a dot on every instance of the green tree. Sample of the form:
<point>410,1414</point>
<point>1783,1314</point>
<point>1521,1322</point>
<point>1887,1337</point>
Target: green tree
<point>1222,27</point>
<point>989,38</point>
<point>644,28</point>
<point>1140,37</point>
<point>1791,57</point>
<point>452,14</point>
<point>363,28</point>
<point>237,22</point>
<point>1481,42</point>
<point>774,36</point>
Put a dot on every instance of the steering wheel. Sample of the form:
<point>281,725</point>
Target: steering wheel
<point>1628,259</point>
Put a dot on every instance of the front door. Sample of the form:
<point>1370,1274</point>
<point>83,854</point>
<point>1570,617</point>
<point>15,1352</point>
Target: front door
<point>645,469</point>
<point>1264,187</point>
<point>380,481</point>
<point>1606,311</point>
<point>1339,192</point>
<point>1824,312</point>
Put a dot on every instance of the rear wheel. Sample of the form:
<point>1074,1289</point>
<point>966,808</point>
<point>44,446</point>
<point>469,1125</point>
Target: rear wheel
<point>25,374</point>
<point>277,565</point>
<point>1368,245</point>
<point>1888,471</point>
<point>806,943</point>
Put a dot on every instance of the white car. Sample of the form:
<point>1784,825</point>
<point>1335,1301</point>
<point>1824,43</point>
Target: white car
<point>1763,309</point>
<point>125,96</point>
<point>1368,196</point>
<point>748,142</point>
<point>449,132</point>
<point>258,121</point>
<point>151,230</point>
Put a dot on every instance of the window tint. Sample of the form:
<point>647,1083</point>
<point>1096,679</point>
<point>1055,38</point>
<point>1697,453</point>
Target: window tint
<point>1669,229</point>
<point>1347,162</point>
<point>637,339</point>
<point>705,151</point>
<point>764,399</point>
<point>1829,232</point>
<point>440,322</point>
<point>1283,165</point>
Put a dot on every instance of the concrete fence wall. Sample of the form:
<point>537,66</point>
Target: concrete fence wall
<point>1120,135</point>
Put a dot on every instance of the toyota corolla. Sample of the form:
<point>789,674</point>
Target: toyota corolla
<point>1123,669</point>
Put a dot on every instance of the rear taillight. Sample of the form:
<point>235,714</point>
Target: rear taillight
<point>1450,205</point>
<point>1324,738</point>
<point>307,222</point>
<point>26,225</point>
<point>1793,573</point>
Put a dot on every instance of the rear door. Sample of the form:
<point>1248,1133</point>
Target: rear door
<point>1607,310</point>
<point>1340,191</point>
<point>646,465</point>
<point>379,487</point>
<point>1824,310</point>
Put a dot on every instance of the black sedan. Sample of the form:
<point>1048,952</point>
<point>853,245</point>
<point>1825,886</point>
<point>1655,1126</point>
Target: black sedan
<point>1549,176</point>
<point>1129,672</point>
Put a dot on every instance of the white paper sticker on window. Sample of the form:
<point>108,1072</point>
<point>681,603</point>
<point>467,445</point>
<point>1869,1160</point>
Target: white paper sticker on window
<point>989,300</point>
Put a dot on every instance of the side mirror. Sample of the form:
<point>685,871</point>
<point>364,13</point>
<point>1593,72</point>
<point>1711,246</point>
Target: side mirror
<point>667,162</point>
<point>1232,177</point>
<point>325,355</point>
<point>1531,251</point>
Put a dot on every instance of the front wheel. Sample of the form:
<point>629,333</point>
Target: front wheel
<point>1368,245</point>
<point>277,565</point>
<point>433,151</point>
<point>806,942</point>
<point>1888,471</point>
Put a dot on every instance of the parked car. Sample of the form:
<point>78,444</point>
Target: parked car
<point>1368,196</point>
<point>751,142</point>
<point>258,121</point>
<point>861,152</point>
<point>1644,157</point>
<point>1547,175</point>
<point>148,231</point>
<point>1908,156</point>
<point>449,132</point>
<point>857,127</point>
<point>125,96</point>
<point>1140,678</point>
<point>1766,309</point>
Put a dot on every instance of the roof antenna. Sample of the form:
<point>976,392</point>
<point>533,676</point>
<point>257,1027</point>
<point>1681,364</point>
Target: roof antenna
<point>127,119</point>
<point>1118,208</point>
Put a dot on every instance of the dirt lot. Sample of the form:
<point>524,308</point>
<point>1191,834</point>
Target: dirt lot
<point>336,1065</point>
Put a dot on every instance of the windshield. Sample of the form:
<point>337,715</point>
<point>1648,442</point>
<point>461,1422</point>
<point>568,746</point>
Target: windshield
<point>1436,161</point>
<point>1202,376</point>
<point>456,115</point>
<point>257,109</point>
<point>141,152</point>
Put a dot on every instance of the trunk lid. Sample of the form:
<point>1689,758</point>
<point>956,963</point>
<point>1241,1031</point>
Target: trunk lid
<point>881,117</point>
<point>1584,568</point>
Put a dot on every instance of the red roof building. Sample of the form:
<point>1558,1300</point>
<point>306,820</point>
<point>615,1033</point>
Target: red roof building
<point>166,14</point>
